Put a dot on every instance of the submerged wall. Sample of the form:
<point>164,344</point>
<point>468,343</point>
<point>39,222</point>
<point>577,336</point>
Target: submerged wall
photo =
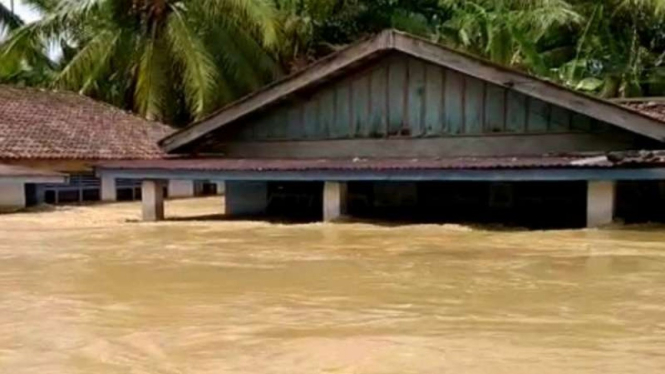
<point>12,196</point>
<point>534,205</point>
<point>526,204</point>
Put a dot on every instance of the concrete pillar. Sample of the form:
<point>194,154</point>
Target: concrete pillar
<point>221,187</point>
<point>600,203</point>
<point>109,190</point>
<point>152,198</point>
<point>181,188</point>
<point>12,196</point>
<point>246,198</point>
<point>334,200</point>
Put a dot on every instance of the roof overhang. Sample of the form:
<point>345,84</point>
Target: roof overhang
<point>539,168</point>
<point>20,174</point>
<point>391,40</point>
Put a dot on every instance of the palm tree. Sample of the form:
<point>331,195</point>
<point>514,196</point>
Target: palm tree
<point>508,32</point>
<point>171,60</point>
<point>30,64</point>
<point>8,18</point>
<point>312,29</point>
<point>621,50</point>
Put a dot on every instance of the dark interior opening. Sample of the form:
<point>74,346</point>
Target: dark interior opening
<point>537,205</point>
<point>205,188</point>
<point>640,201</point>
<point>31,195</point>
<point>295,201</point>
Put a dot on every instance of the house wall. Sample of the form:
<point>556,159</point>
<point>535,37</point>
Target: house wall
<point>12,196</point>
<point>246,198</point>
<point>402,98</point>
<point>84,186</point>
<point>181,188</point>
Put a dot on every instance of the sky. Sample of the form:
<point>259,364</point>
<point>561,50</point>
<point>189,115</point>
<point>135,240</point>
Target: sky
<point>27,14</point>
<point>24,11</point>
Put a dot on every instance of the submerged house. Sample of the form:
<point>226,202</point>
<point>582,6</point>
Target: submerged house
<point>13,182</point>
<point>60,135</point>
<point>396,126</point>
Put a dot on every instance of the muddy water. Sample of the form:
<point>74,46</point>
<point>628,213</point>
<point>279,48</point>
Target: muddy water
<point>84,291</point>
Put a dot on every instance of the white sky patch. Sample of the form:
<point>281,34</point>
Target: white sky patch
<point>26,12</point>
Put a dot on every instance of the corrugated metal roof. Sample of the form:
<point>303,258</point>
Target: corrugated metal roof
<point>609,160</point>
<point>653,107</point>
<point>459,163</point>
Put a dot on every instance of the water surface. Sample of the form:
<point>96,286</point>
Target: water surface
<point>83,291</point>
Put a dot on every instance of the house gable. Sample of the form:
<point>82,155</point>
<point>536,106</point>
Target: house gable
<point>404,97</point>
<point>396,94</point>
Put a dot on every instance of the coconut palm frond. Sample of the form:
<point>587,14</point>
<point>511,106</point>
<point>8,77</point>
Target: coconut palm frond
<point>198,67</point>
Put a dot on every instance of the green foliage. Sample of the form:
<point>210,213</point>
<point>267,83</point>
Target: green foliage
<point>148,55</point>
<point>314,28</point>
<point>178,60</point>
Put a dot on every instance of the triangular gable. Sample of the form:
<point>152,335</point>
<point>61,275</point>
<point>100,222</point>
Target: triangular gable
<point>389,41</point>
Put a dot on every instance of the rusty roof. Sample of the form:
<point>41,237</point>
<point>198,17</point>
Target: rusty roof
<point>44,124</point>
<point>634,159</point>
<point>653,107</point>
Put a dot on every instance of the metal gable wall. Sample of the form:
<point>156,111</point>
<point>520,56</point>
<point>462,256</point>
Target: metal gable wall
<point>403,97</point>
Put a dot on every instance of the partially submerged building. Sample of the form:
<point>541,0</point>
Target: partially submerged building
<point>58,132</point>
<point>397,126</point>
<point>15,179</point>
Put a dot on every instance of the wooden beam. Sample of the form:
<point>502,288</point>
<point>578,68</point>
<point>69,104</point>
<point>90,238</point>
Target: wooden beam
<point>453,146</point>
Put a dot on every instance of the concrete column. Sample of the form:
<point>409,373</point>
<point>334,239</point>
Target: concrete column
<point>246,198</point>
<point>152,192</point>
<point>600,203</point>
<point>221,188</point>
<point>181,188</point>
<point>334,200</point>
<point>109,190</point>
<point>12,196</point>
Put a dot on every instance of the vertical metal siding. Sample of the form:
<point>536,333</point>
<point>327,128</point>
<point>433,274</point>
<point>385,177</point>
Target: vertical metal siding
<point>402,96</point>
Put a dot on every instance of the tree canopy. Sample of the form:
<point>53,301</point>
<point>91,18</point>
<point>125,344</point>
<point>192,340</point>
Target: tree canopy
<point>178,60</point>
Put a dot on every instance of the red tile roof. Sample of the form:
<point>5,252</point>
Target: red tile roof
<point>42,124</point>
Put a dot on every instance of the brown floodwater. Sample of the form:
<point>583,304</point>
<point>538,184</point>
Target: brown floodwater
<point>87,290</point>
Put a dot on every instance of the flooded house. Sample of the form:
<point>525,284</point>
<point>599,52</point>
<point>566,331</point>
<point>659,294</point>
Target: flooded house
<point>50,140</point>
<point>398,127</point>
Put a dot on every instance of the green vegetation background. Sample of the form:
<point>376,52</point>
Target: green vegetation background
<point>178,60</point>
